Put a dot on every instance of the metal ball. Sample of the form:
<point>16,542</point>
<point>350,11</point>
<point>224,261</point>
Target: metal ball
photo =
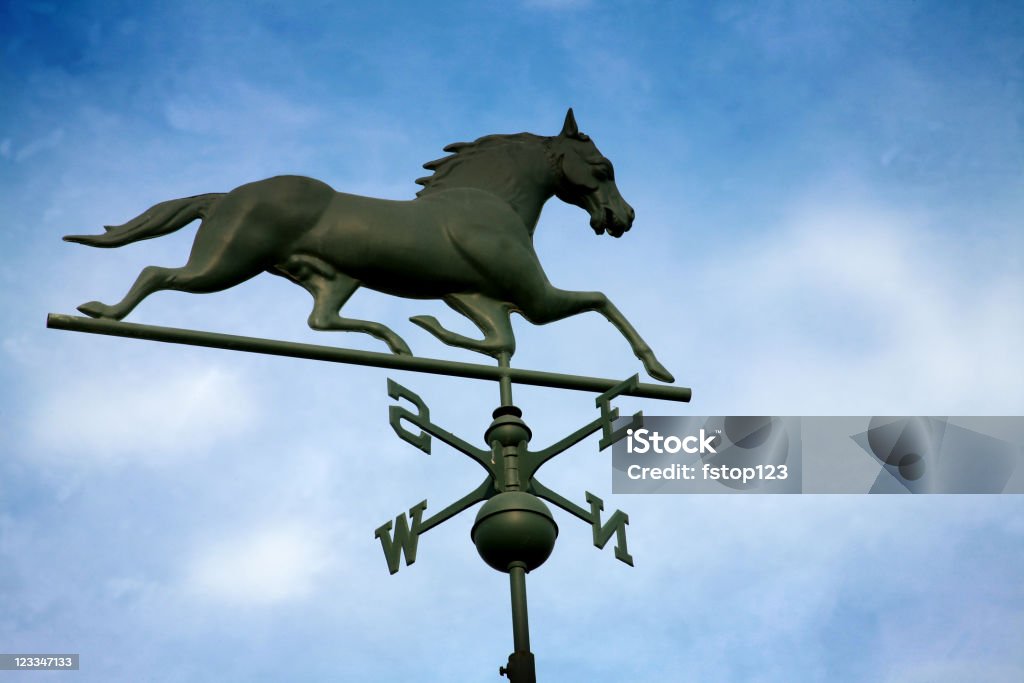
<point>514,526</point>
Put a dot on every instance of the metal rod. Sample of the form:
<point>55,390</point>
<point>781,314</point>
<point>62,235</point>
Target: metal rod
<point>521,666</point>
<point>505,383</point>
<point>520,620</point>
<point>231,342</point>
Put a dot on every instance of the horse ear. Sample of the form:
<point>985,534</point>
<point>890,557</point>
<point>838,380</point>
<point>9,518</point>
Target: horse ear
<point>569,128</point>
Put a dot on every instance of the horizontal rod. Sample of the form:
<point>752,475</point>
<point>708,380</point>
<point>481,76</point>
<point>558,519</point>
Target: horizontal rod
<point>231,342</point>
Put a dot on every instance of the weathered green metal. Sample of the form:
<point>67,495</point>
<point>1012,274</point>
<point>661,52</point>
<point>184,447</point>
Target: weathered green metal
<point>521,667</point>
<point>505,383</point>
<point>521,631</point>
<point>514,531</point>
<point>514,527</point>
<point>396,413</point>
<point>231,342</point>
<point>616,524</point>
<point>404,540</point>
<point>510,465</point>
<point>467,239</point>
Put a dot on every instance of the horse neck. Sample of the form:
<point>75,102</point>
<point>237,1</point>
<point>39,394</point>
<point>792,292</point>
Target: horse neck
<point>520,172</point>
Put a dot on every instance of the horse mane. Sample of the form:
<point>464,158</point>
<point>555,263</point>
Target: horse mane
<point>463,153</point>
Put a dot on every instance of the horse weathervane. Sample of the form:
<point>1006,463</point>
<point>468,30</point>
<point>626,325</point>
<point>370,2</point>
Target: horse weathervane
<point>466,239</point>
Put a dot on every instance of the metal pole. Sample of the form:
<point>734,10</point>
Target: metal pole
<point>521,666</point>
<point>520,619</point>
<point>231,342</point>
<point>505,383</point>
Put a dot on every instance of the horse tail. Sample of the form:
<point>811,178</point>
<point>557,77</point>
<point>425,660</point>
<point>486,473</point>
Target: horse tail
<point>160,219</point>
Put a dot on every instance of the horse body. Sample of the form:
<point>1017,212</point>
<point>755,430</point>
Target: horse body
<point>469,235</point>
<point>466,239</point>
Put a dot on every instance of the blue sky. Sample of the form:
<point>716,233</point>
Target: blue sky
<point>829,202</point>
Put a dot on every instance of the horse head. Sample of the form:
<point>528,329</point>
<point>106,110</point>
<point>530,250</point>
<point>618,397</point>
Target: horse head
<point>587,180</point>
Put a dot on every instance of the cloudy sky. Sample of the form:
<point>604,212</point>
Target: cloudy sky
<point>829,202</point>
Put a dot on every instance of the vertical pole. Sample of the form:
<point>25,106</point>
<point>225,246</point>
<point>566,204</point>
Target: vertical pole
<point>521,666</point>
<point>505,383</point>
<point>520,619</point>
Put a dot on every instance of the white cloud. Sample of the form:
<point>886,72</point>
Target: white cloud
<point>30,149</point>
<point>863,306</point>
<point>236,105</point>
<point>270,565</point>
<point>153,416</point>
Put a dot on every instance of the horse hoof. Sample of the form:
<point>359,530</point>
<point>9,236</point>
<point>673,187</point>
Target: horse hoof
<point>400,348</point>
<point>94,309</point>
<point>427,322</point>
<point>658,371</point>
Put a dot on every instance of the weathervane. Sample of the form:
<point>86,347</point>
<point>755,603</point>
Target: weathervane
<point>466,239</point>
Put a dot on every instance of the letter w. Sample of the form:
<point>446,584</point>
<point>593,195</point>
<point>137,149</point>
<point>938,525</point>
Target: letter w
<point>404,539</point>
<point>616,524</point>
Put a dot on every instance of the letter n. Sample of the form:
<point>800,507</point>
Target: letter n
<point>404,539</point>
<point>616,524</point>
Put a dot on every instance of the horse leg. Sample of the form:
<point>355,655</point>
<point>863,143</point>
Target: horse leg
<point>223,255</point>
<point>490,316</point>
<point>331,290</point>
<point>551,304</point>
<point>188,278</point>
<point>151,279</point>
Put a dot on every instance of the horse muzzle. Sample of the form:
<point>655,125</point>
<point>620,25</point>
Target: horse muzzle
<point>610,223</point>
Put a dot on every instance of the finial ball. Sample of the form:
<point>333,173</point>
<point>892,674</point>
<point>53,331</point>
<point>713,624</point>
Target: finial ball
<point>514,526</point>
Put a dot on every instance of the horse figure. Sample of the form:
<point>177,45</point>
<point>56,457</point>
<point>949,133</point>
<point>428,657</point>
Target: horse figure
<point>467,239</point>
